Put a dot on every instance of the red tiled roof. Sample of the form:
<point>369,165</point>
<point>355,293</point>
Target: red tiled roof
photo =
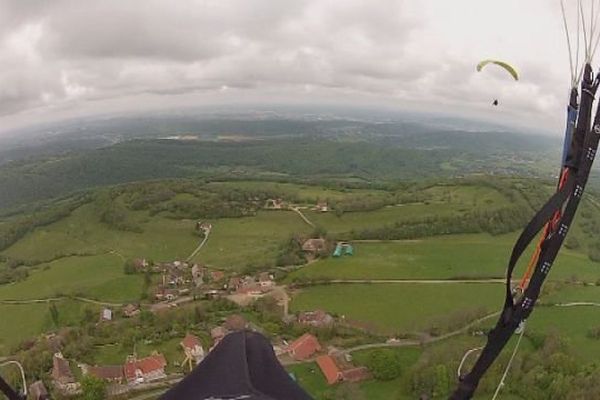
<point>329,369</point>
<point>190,341</point>
<point>146,365</point>
<point>304,347</point>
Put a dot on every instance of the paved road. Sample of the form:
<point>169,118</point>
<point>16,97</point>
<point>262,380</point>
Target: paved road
<point>55,299</point>
<point>412,281</point>
<point>297,211</point>
<point>199,246</point>
<point>577,304</point>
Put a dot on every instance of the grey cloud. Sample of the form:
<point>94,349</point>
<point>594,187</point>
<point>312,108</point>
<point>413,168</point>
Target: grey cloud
<point>95,51</point>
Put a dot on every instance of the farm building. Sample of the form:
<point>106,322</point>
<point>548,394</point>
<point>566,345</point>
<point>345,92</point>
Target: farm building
<point>106,314</point>
<point>145,370</point>
<point>38,391</point>
<point>343,248</point>
<point>274,204</point>
<point>62,375</point>
<point>203,226</point>
<point>217,276</point>
<point>130,310</point>
<point>304,347</point>
<point>336,369</point>
<point>111,373</point>
<point>317,318</point>
<point>321,206</point>
<point>198,273</point>
<point>218,333</point>
<point>314,246</point>
<point>329,369</point>
<point>192,348</point>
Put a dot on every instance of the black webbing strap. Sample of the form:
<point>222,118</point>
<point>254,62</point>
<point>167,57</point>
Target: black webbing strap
<point>581,155</point>
<point>8,391</point>
<point>541,218</point>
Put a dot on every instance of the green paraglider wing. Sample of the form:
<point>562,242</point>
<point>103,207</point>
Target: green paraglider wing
<point>509,68</point>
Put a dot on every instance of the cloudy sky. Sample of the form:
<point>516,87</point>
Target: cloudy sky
<point>66,58</point>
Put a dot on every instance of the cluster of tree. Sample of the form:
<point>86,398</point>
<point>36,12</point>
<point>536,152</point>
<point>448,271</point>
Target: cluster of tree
<point>364,202</point>
<point>385,365</point>
<point>290,252</point>
<point>455,320</point>
<point>140,160</point>
<point>548,371</point>
<point>494,221</point>
<point>18,226</point>
<point>113,213</point>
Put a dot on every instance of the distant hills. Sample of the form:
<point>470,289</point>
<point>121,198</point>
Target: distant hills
<point>58,159</point>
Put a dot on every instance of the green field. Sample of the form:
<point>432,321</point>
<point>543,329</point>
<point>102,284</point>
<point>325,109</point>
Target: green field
<point>399,308</point>
<point>442,257</point>
<point>15,328</point>
<point>162,239</point>
<point>114,354</point>
<point>236,242</point>
<point>304,193</point>
<point>99,277</point>
<point>571,323</point>
<point>442,201</point>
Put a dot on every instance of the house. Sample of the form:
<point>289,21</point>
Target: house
<point>130,310</point>
<point>171,294</point>
<point>218,333</point>
<point>314,246</point>
<point>235,322</point>
<point>321,206</point>
<point>106,315</point>
<point>274,204</point>
<point>192,349</point>
<point>234,284</point>
<point>304,347</point>
<point>317,318</point>
<point>265,279</point>
<point>145,370</point>
<point>174,278</point>
<point>203,226</point>
<point>37,391</point>
<point>111,373</point>
<point>197,274</point>
<point>140,264</point>
<point>217,276</point>
<point>251,289</point>
<point>329,369</point>
<point>62,375</point>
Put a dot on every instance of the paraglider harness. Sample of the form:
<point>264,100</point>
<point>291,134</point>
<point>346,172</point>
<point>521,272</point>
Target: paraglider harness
<point>556,216</point>
<point>9,392</point>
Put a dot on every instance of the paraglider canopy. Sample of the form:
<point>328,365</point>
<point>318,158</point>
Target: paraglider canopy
<point>509,68</point>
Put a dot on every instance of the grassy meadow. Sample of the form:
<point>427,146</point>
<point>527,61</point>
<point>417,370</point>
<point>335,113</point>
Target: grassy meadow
<point>443,257</point>
<point>99,277</point>
<point>237,242</point>
<point>399,308</point>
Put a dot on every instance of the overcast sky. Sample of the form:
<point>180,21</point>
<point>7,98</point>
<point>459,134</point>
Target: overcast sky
<point>66,58</point>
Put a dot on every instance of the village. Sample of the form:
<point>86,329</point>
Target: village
<point>178,283</point>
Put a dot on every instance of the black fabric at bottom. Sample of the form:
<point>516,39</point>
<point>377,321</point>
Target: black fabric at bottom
<point>243,366</point>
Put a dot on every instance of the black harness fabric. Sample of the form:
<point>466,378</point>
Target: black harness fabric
<point>9,392</point>
<point>579,162</point>
<point>243,366</point>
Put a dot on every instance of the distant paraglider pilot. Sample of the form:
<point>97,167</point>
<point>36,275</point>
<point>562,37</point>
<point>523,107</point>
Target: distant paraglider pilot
<point>505,66</point>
